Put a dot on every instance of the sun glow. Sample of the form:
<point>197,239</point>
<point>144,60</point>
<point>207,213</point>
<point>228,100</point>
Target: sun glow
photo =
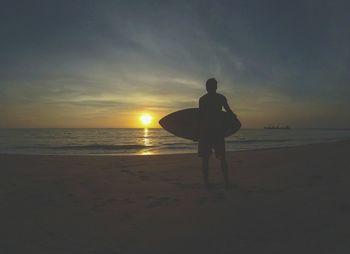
<point>146,119</point>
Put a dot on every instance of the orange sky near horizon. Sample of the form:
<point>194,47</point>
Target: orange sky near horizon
<point>252,111</point>
<point>70,118</point>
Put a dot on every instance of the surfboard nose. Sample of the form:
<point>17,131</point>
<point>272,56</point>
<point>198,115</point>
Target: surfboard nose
<point>162,121</point>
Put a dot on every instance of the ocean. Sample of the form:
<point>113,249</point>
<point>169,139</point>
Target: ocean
<point>148,141</point>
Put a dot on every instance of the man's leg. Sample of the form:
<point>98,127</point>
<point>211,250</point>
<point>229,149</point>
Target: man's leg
<point>224,169</point>
<point>220,152</point>
<point>205,170</point>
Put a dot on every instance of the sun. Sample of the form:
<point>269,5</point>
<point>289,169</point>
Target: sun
<point>146,119</point>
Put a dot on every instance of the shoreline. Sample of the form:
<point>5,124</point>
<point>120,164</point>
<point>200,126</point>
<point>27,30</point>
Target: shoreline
<point>167,154</point>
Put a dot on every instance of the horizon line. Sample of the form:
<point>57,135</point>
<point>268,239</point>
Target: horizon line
<point>247,128</point>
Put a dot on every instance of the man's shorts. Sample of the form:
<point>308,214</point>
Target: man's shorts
<point>206,146</point>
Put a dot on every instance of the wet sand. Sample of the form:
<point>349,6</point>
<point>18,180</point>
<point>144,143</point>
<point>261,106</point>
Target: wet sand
<point>289,200</point>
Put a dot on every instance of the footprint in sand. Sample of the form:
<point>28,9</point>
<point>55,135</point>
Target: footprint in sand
<point>219,197</point>
<point>144,178</point>
<point>127,171</point>
<point>202,200</point>
<point>186,185</point>
<point>166,179</point>
<point>127,201</point>
<point>161,201</point>
<point>264,190</point>
<point>126,216</point>
<point>313,180</point>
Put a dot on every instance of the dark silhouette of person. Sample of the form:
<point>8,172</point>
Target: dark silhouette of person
<point>211,132</point>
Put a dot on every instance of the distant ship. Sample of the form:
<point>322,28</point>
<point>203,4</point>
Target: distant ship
<point>277,127</point>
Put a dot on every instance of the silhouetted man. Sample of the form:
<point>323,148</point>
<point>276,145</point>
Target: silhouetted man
<point>211,133</point>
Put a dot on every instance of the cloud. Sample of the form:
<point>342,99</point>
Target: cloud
<point>124,56</point>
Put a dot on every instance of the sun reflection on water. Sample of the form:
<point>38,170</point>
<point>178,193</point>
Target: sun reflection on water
<point>146,142</point>
<point>147,153</point>
<point>146,139</point>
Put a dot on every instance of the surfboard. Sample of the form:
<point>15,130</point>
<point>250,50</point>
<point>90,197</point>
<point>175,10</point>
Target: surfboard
<point>185,123</point>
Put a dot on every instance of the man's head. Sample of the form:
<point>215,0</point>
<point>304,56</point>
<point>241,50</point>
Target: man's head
<point>211,85</point>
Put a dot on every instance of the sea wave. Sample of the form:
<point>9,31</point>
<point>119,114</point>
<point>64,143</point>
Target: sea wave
<point>100,147</point>
<point>245,141</point>
<point>178,143</point>
<point>176,147</point>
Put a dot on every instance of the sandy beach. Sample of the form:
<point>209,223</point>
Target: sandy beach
<point>289,200</point>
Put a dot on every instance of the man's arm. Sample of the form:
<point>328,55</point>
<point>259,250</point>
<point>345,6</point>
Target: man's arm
<point>227,107</point>
<point>200,105</point>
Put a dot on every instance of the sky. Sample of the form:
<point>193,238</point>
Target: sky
<point>82,63</point>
